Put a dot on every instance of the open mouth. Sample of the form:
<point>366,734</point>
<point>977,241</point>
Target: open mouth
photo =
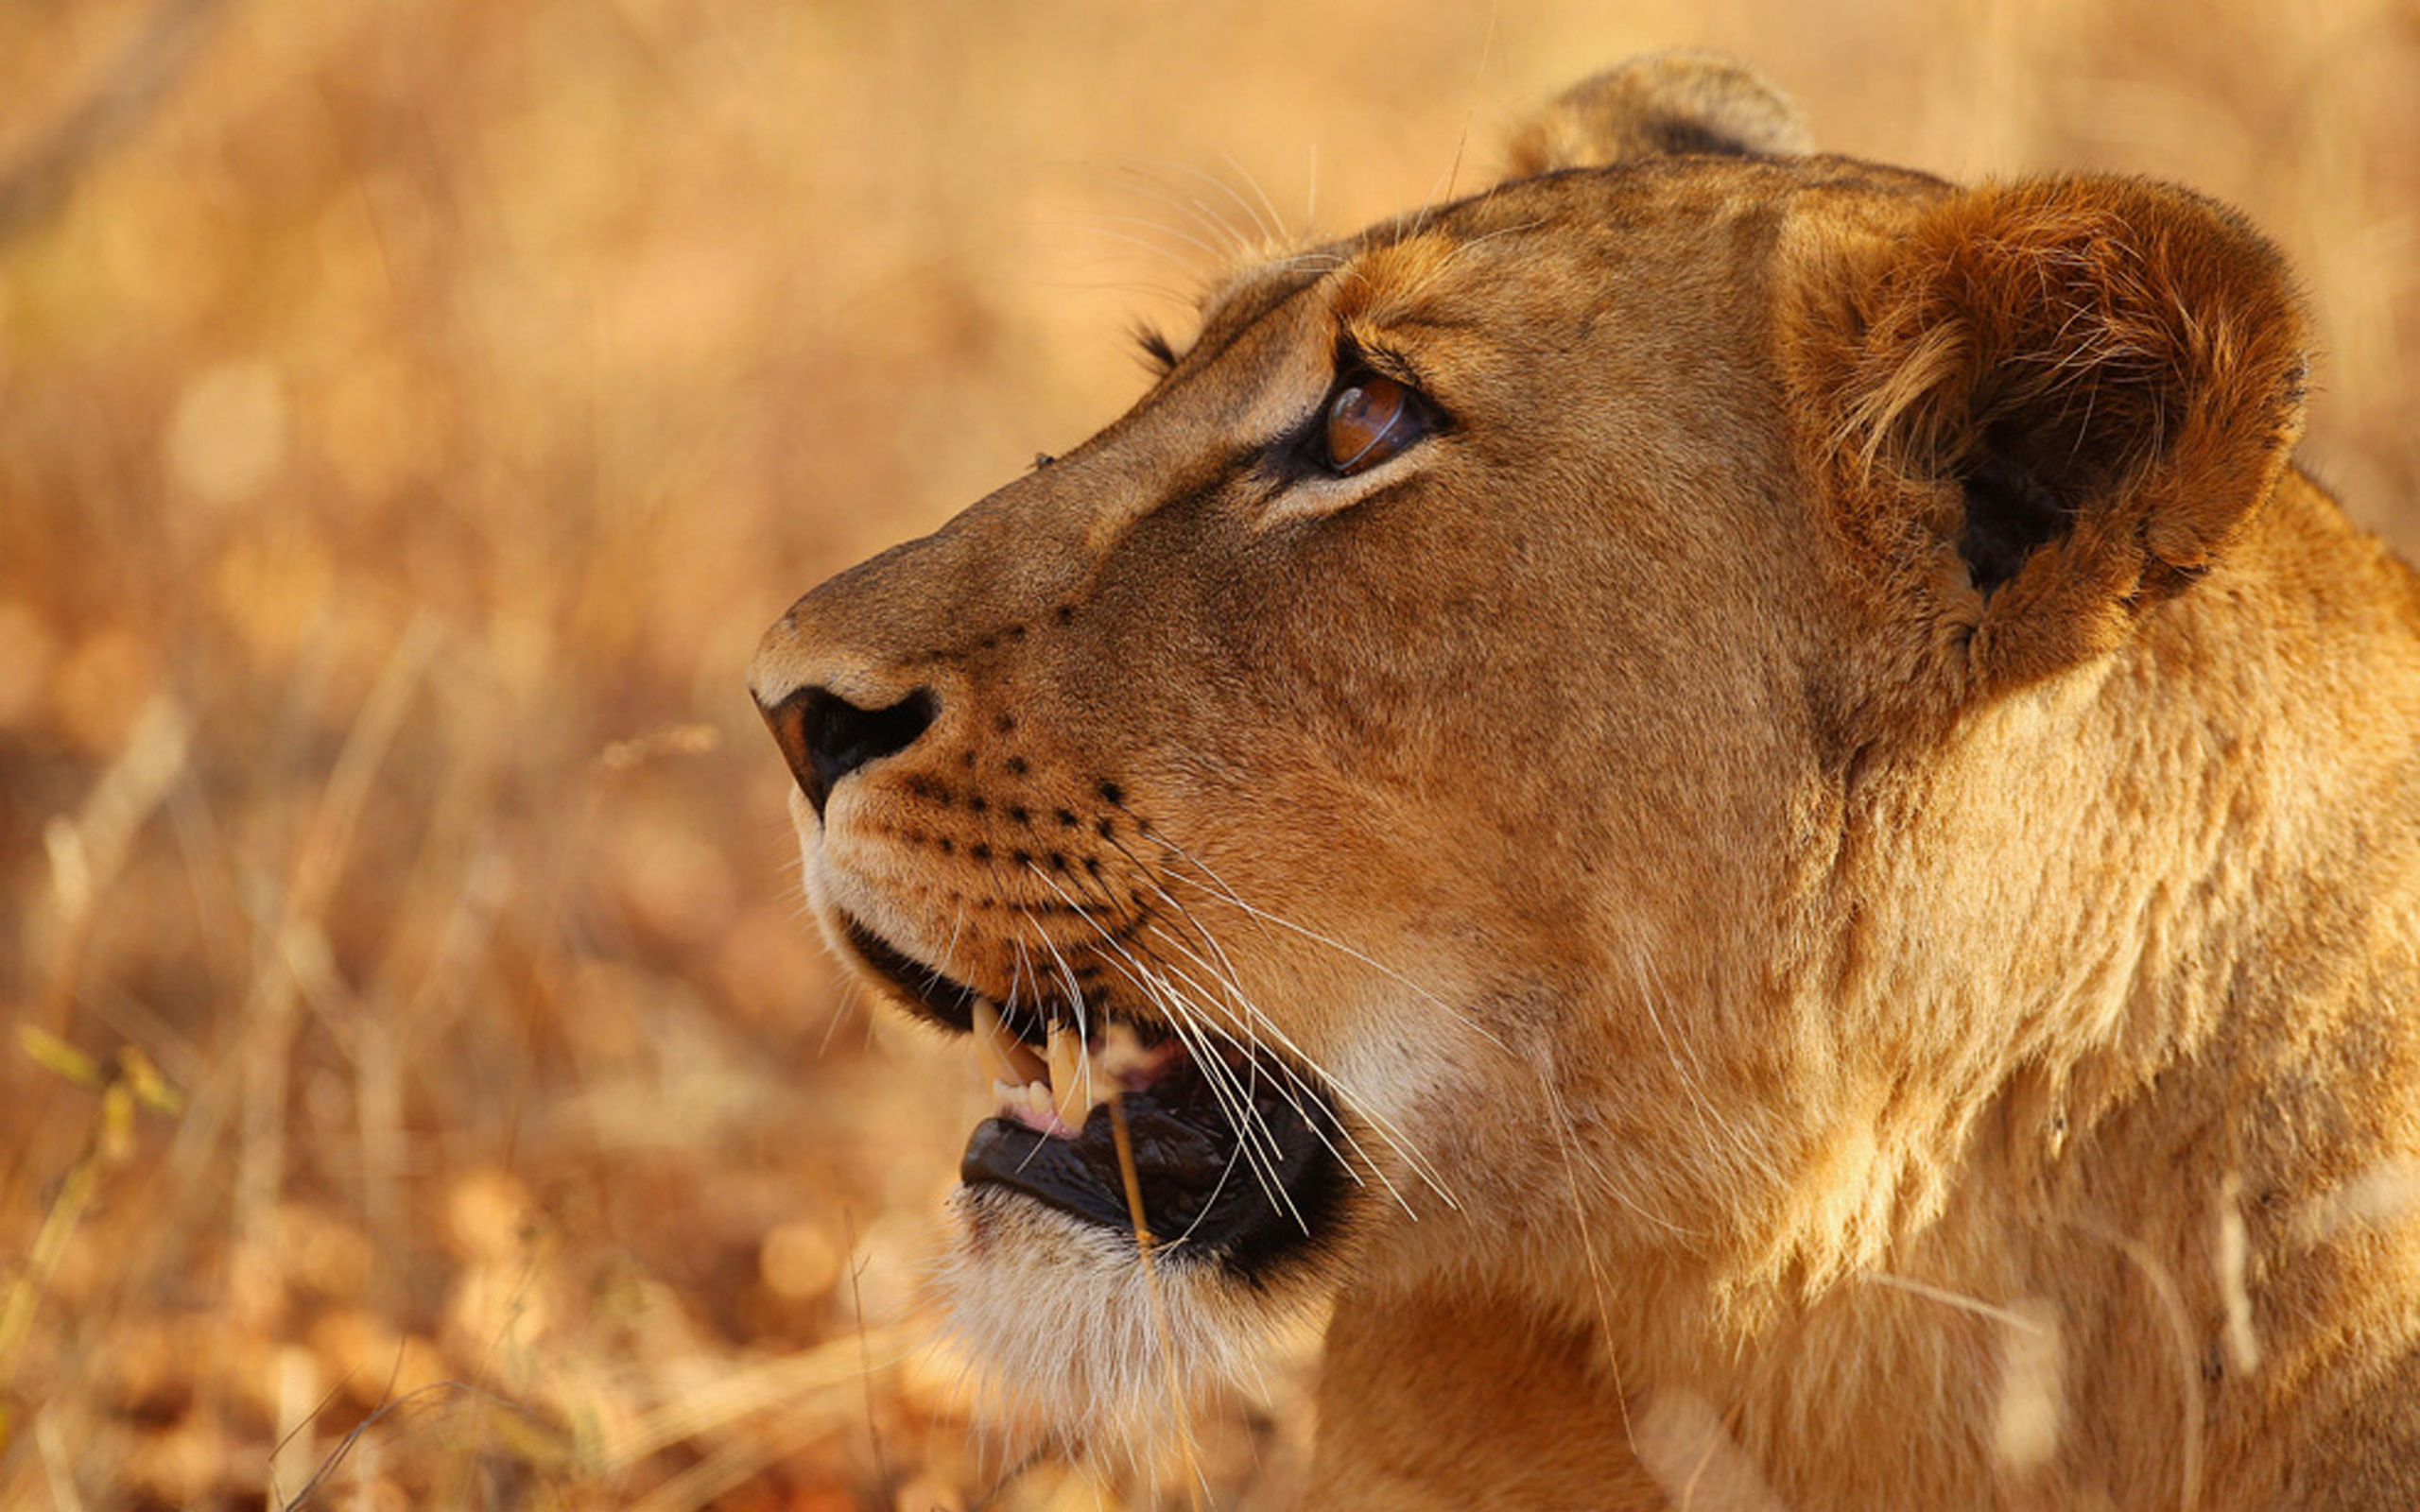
<point>1234,1153</point>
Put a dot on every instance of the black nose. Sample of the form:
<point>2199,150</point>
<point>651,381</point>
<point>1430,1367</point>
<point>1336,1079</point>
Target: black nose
<point>826,737</point>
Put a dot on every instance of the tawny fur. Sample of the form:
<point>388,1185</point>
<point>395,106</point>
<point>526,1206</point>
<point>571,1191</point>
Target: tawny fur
<point>1824,1025</point>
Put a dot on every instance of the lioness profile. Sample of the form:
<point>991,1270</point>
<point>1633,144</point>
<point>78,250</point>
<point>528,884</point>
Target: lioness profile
<point>1735,799</point>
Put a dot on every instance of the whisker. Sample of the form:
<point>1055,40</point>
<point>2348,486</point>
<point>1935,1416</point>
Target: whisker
<point>1244,1012</point>
<point>1231,986</point>
<point>1104,223</point>
<point>852,993</point>
<point>1293,1079</point>
<point>1551,1085</point>
<point>1267,233</point>
<point>1217,886</point>
<point>1255,1144</point>
<point>1232,1100</point>
<point>1569,1140</point>
<point>1383,1126</point>
<point>1311,194</point>
<point>1714,1127</point>
<point>1239,247</point>
<point>1277,222</point>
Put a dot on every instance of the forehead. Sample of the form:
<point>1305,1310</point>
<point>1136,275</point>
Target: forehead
<point>1546,243</point>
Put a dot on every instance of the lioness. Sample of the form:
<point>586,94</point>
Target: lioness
<point>1737,796</point>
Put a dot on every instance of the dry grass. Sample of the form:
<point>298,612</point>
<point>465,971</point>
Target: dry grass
<point>419,1088</point>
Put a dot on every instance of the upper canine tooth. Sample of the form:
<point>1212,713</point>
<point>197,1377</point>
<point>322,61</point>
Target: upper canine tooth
<point>1004,1056</point>
<point>1070,1077</point>
<point>989,1032</point>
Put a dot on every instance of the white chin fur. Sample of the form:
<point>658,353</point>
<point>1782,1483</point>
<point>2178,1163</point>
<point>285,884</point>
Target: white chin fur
<point>1059,1320</point>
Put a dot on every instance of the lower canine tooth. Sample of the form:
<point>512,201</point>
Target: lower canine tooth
<point>1069,1076</point>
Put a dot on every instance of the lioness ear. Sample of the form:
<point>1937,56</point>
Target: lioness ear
<point>2077,390</point>
<point>1662,104</point>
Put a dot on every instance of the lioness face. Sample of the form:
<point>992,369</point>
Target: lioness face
<point>1615,766</point>
<point>1475,757</point>
<point>1373,716</point>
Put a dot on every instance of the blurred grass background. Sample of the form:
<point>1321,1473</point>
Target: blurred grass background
<point>409,416</point>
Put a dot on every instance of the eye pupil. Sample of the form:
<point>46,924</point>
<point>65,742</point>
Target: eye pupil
<point>1370,419</point>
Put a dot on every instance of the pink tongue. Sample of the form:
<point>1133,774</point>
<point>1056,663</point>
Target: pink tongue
<point>1047,1122</point>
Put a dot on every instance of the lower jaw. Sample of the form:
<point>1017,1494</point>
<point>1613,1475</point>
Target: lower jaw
<point>1065,1344</point>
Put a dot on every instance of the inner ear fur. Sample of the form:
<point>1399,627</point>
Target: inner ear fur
<point>1660,105</point>
<point>2083,388</point>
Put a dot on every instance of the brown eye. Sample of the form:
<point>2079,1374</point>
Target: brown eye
<point>1370,419</point>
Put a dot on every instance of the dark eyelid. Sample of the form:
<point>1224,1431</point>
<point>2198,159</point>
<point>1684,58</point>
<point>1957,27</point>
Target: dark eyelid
<point>1386,361</point>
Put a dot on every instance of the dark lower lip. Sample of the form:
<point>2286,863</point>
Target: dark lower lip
<point>1203,1199</point>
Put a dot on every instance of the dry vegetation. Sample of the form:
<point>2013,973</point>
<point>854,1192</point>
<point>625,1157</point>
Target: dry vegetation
<point>409,415</point>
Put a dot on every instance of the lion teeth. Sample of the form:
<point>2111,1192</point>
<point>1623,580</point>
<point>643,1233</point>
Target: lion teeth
<point>1054,1092</point>
<point>1004,1058</point>
<point>1070,1078</point>
<point>1027,1102</point>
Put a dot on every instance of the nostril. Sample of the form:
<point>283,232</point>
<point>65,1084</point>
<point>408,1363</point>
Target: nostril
<point>826,737</point>
<point>842,737</point>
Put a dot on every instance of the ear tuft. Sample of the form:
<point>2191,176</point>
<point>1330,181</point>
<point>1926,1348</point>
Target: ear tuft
<point>2086,385</point>
<point>1661,105</point>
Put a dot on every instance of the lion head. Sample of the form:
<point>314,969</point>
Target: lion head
<point>1573,737</point>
